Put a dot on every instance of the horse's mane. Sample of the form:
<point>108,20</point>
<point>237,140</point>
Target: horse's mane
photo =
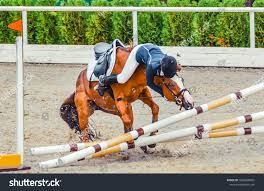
<point>129,48</point>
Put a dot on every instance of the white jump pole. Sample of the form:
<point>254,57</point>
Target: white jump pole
<point>200,131</point>
<point>20,97</point>
<point>171,136</point>
<point>60,148</point>
<point>236,132</point>
<point>151,128</point>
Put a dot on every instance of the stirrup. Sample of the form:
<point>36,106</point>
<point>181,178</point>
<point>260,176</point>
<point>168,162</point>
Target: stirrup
<point>101,80</point>
<point>101,90</point>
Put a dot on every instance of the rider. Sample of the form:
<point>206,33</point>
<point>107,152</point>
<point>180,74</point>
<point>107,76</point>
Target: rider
<point>157,63</point>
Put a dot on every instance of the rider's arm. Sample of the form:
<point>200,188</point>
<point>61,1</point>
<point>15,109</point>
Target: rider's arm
<point>150,80</point>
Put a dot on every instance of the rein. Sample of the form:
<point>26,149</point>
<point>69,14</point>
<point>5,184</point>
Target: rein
<point>176,96</point>
<point>173,94</point>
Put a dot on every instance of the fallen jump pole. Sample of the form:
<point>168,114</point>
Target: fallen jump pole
<point>199,131</point>
<point>60,148</point>
<point>236,132</point>
<point>230,133</point>
<point>151,128</point>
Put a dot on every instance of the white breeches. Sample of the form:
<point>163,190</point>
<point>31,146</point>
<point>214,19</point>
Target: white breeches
<point>129,68</point>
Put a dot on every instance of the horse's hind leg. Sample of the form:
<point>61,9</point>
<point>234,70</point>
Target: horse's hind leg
<point>84,112</point>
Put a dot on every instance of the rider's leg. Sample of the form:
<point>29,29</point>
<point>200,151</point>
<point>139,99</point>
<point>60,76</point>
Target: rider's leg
<point>128,70</point>
<point>108,80</point>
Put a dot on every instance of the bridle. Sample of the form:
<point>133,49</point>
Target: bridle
<point>178,101</point>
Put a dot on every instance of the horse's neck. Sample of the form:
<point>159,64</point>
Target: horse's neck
<point>121,58</point>
<point>139,75</point>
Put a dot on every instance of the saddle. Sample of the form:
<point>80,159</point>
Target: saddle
<point>105,55</point>
<point>102,53</point>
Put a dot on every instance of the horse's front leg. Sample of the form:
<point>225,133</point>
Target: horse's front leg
<point>84,111</point>
<point>146,98</point>
<point>126,114</point>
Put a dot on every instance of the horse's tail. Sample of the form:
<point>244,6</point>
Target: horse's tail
<point>68,112</point>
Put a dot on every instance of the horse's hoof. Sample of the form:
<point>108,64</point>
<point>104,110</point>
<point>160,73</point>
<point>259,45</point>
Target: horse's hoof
<point>153,134</point>
<point>125,157</point>
<point>152,146</point>
<point>92,134</point>
<point>144,149</point>
<point>84,140</point>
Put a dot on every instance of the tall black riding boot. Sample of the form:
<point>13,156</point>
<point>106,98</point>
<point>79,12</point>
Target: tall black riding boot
<point>108,80</point>
<point>105,82</point>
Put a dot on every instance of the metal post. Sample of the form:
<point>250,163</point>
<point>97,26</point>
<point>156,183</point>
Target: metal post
<point>24,24</point>
<point>252,29</point>
<point>135,28</point>
<point>20,97</point>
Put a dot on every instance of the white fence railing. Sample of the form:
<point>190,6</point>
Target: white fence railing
<point>190,56</point>
<point>135,10</point>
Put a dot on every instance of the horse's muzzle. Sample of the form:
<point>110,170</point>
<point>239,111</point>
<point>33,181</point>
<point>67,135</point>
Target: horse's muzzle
<point>187,105</point>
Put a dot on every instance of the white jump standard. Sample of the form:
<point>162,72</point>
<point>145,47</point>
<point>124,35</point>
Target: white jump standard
<point>14,162</point>
<point>151,128</point>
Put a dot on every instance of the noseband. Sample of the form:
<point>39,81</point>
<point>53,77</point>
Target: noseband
<point>176,96</point>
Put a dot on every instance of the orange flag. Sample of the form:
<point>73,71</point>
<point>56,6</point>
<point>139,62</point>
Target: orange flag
<point>16,26</point>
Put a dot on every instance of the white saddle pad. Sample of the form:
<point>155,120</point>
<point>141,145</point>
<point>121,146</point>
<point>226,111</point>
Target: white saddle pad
<point>90,67</point>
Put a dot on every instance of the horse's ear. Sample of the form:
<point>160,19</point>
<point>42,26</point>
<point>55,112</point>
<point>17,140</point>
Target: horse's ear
<point>130,44</point>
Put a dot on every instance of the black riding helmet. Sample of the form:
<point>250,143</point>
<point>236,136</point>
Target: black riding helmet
<point>169,66</point>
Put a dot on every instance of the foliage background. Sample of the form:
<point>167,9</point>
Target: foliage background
<point>170,29</point>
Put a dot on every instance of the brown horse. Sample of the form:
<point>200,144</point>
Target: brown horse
<point>77,109</point>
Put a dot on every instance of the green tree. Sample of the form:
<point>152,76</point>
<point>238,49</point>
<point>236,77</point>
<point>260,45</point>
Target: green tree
<point>150,24</point>
<point>205,25</point>
<point>6,17</point>
<point>42,26</point>
<point>122,22</point>
<point>233,28</point>
<point>177,27</point>
<point>99,25</point>
<point>72,25</point>
<point>259,27</point>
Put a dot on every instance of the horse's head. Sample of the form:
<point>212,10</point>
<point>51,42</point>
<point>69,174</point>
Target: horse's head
<point>174,91</point>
